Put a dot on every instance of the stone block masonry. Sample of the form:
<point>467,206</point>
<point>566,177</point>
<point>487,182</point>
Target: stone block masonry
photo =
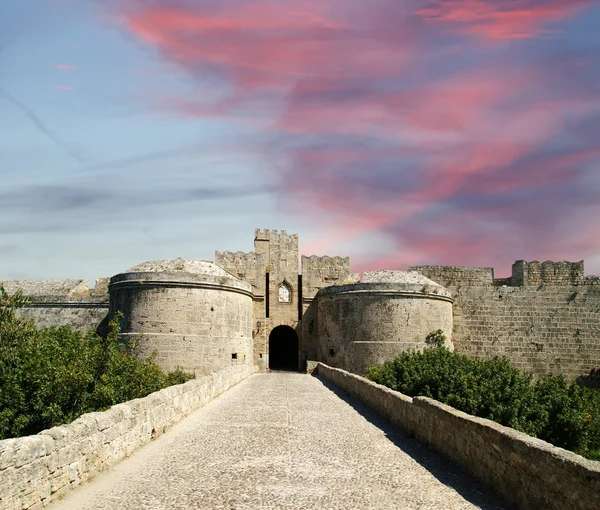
<point>545,318</point>
<point>63,302</point>
<point>390,312</point>
<point>34,470</point>
<point>528,472</point>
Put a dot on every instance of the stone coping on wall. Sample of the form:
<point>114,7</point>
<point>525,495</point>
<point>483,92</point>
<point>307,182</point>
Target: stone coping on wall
<point>68,302</point>
<point>180,279</point>
<point>72,289</point>
<point>528,472</point>
<point>401,290</point>
<point>35,470</point>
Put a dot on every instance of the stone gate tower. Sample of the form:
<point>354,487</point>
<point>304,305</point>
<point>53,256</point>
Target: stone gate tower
<point>272,270</point>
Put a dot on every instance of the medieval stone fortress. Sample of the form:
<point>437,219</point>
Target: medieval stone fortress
<point>278,439</point>
<point>264,310</point>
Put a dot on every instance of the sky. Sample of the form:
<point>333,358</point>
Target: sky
<point>447,132</point>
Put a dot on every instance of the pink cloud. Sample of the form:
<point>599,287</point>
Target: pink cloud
<point>385,128</point>
<point>267,45</point>
<point>66,67</point>
<point>508,19</point>
<point>62,87</point>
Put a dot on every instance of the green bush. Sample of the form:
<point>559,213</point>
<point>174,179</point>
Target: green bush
<point>551,408</point>
<point>51,376</point>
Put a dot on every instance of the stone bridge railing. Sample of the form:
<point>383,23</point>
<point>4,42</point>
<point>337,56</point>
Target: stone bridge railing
<point>528,472</point>
<point>35,470</point>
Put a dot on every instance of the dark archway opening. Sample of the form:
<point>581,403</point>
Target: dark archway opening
<point>283,349</point>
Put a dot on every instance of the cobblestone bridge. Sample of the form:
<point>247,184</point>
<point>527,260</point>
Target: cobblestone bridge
<point>282,440</point>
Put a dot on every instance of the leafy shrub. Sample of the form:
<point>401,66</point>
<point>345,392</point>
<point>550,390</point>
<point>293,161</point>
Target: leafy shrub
<point>51,376</point>
<point>436,338</point>
<point>551,408</point>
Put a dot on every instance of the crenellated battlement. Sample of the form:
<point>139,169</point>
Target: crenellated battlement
<point>274,236</point>
<point>526,273</point>
<point>319,272</point>
<point>234,256</point>
<point>325,260</point>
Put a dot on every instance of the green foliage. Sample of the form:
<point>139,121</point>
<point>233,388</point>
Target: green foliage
<point>436,338</point>
<point>51,376</point>
<point>551,408</point>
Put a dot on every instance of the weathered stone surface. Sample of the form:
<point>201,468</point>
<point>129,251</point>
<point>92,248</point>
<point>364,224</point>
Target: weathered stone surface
<point>36,469</point>
<point>201,267</point>
<point>371,322</point>
<point>283,440</point>
<point>62,302</point>
<point>403,278</point>
<point>545,318</point>
<point>528,472</point>
<point>195,321</point>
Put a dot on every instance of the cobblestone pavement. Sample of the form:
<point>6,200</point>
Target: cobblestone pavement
<point>282,440</point>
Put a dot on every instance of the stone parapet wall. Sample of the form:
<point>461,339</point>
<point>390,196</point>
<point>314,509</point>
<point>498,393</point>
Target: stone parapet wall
<point>249,267</point>
<point>547,273</point>
<point>319,272</point>
<point>545,318</point>
<point>528,472</point>
<point>63,302</point>
<point>457,275</point>
<point>35,470</point>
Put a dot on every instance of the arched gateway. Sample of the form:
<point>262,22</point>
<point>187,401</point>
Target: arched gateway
<point>283,349</point>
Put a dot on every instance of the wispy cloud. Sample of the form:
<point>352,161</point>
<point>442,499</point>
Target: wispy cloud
<point>67,207</point>
<point>63,87</point>
<point>504,19</point>
<point>66,67</point>
<point>41,126</point>
<point>394,117</point>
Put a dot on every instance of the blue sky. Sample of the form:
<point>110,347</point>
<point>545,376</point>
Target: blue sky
<point>463,132</point>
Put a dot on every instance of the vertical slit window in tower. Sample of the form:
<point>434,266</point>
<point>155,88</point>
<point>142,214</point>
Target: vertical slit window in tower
<point>299,297</point>
<point>267,294</point>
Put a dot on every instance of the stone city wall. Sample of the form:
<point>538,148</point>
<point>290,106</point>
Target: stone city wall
<point>551,324</point>
<point>547,273</point>
<point>63,302</point>
<point>35,470</point>
<point>528,472</point>
<point>249,267</point>
<point>319,272</point>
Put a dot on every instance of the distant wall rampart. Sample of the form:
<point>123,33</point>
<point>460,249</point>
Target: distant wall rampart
<point>249,267</point>
<point>319,272</point>
<point>63,302</point>
<point>457,275</point>
<point>545,318</point>
<point>547,273</point>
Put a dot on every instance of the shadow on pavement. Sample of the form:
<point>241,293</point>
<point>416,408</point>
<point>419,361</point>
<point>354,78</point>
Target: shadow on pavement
<point>444,470</point>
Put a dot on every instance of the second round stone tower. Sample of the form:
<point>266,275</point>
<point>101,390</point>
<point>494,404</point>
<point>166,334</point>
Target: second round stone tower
<point>193,314</point>
<point>387,313</point>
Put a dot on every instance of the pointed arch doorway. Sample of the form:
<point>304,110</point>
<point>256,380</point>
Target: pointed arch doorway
<point>283,348</point>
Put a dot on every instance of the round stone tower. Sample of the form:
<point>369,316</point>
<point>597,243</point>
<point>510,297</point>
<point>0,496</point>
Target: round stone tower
<point>193,314</point>
<point>371,322</point>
